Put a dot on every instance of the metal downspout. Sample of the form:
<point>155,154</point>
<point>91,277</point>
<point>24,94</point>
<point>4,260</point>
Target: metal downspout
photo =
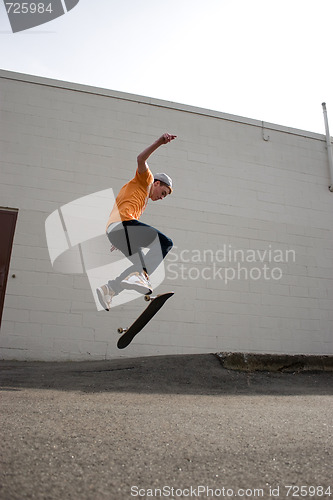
<point>329,146</point>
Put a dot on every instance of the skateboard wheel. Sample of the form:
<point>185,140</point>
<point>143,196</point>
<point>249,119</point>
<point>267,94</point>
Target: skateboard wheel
<point>120,330</point>
<point>147,298</point>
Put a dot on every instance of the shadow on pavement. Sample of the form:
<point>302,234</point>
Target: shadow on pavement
<point>178,374</point>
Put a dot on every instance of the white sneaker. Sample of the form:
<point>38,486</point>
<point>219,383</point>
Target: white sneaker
<point>139,282</point>
<point>105,295</point>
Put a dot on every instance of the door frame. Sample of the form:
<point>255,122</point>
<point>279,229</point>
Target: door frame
<point>10,231</point>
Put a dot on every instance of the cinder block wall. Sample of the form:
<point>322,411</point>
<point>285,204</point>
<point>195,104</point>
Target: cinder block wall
<point>250,217</point>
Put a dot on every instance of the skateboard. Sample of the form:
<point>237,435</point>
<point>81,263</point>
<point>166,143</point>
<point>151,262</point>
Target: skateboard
<point>155,304</point>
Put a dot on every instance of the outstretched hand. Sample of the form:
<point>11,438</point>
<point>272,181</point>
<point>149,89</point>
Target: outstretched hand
<point>165,138</point>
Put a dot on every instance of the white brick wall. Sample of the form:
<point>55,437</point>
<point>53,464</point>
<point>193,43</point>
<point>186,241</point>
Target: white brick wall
<point>233,190</point>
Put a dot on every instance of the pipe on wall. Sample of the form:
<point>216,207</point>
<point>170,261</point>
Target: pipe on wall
<point>329,146</point>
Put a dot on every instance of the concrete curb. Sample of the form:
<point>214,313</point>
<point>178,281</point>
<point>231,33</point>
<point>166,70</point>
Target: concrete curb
<point>275,362</point>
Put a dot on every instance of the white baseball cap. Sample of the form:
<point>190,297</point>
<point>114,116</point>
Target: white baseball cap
<point>164,178</point>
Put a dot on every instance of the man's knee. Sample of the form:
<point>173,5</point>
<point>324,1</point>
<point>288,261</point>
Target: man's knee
<point>168,245</point>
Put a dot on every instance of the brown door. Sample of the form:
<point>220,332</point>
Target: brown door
<point>7,229</point>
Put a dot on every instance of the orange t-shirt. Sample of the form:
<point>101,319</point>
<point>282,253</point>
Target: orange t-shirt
<point>132,198</point>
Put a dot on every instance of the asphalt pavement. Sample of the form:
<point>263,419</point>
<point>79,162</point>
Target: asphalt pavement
<point>164,427</point>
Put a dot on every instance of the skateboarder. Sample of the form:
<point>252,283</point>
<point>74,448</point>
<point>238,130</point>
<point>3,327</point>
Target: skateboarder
<point>128,235</point>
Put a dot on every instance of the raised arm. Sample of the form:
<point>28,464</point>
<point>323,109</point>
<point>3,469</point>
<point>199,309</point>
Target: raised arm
<point>143,157</point>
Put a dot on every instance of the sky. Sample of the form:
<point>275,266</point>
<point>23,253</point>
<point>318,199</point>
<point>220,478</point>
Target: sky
<point>269,60</point>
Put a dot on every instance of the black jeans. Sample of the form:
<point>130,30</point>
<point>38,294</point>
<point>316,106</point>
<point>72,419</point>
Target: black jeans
<point>130,237</point>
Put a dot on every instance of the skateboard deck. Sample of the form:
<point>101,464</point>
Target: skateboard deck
<point>155,304</point>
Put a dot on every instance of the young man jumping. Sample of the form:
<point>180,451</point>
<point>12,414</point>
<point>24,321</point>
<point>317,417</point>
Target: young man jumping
<point>127,234</point>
